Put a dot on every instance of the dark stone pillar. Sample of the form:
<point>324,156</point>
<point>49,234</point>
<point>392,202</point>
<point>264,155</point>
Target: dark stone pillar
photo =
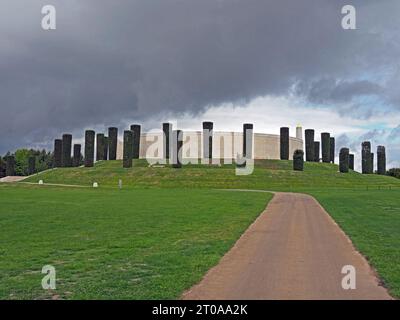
<point>316,151</point>
<point>309,136</point>
<point>128,149</point>
<point>105,156</point>
<point>89,148</point>
<point>247,141</point>
<point>284,143</point>
<point>207,140</point>
<point>344,160</point>
<point>177,143</point>
<point>76,161</point>
<point>351,161</point>
<point>326,146</point>
<point>136,129</point>
<point>381,154</point>
<point>167,135</point>
<point>332,149</point>
<point>298,160</point>
<point>112,143</point>
<point>366,157</point>
<point>100,146</point>
<point>57,153</point>
<point>372,163</point>
<point>31,165</point>
<point>66,150</point>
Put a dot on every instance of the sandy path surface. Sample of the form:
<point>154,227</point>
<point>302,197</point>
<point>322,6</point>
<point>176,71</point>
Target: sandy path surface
<point>12,179</point>
<point>294,250</point>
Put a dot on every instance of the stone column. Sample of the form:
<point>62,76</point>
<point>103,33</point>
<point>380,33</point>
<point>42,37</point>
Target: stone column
<point>248,141</point>
<point>372,163</point>
<point>309,134</point>
<point>136,129</point>
<point>100,146</point>
<point>89,148</point>
<point>366,157</point>
<point>284,143</point>
<point>10,166</point>
<point>177,143</point>
<point>66,150</point>
<point>298,160</point>
<point>76,161</point>
<point>332,149</point>
<point>167,135</point>
<point>351,161</point>
<point>381,154</point>
<point>316,151</point>
<point>57,153</point>
<point>325,146</point>
<point>105,156</point>
<point>344,160</point>
<point>128,149</point>
<point>208,141</point>
<point>112,143</point>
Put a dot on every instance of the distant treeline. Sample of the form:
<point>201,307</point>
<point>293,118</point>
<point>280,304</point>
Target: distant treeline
<point>394,172</point>
<point>43,161</point>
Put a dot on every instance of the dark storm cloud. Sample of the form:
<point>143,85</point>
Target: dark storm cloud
<point>373,135</point>
<point>114,61</point>
<point>342,141</point>
<point>330,90</point>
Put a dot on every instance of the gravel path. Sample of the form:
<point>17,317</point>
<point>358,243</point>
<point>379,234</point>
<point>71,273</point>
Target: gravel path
<point>294,250</point>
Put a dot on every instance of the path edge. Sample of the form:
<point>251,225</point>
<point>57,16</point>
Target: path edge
<point>187,291</point>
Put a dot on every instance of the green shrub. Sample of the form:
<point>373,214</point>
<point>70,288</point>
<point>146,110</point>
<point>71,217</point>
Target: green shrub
<point>298,160</point>
<point>43,161</point>
<point>2,168</point>
<point>394,172</point>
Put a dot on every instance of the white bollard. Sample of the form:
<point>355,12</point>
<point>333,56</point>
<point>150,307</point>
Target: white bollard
<point>95,185</point>
<point>40,181</point>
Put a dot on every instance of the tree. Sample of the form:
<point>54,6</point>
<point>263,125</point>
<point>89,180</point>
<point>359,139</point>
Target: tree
<point>2,168</point>
<point>21,162</point>
<point>43,161</point>
<point>394,172</point>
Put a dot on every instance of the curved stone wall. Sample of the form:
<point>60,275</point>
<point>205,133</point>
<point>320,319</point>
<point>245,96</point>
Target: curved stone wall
<point>226,145</point>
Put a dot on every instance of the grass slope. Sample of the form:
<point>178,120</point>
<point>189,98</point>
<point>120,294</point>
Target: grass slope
<point>268,175</point>
<point>116,244</point>
<point>372,220</point>
<point>367,207</point>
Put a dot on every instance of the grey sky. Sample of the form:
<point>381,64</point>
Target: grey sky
<point>112,62</point>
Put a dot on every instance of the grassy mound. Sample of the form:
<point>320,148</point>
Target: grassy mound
<point>146,243</point>
<point>268,175</point>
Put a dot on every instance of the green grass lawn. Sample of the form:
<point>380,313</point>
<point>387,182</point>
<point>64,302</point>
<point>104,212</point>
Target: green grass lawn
<point>372,220</point>
<point>367,207</point>
<point>268,175</point>
<point>116,244</point>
